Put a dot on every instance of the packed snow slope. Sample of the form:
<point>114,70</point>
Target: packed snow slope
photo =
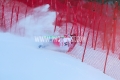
<point>21,60</point>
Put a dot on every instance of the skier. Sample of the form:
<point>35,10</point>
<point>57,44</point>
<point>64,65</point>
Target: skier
<point>64,43</point>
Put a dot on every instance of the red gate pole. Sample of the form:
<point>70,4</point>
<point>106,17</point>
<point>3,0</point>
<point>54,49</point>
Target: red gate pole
<point>12,15</point>
<point>17,14</point>
<point>93,26</point>
<point>32,4</point>
<point>56,16</point>
<point>106,59</point>
<point>26,9</point>
<point>93,31</point>
<point>71,29</point>
<point>86,42</point>
<point>2,13</point>
<point>4,24</point>
<point>3,18</point>
<point>85,46</point>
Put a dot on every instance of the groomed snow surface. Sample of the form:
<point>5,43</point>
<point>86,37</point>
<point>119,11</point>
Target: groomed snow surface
<point>21,59</point>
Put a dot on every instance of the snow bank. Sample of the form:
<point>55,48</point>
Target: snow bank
<point>20,60</point>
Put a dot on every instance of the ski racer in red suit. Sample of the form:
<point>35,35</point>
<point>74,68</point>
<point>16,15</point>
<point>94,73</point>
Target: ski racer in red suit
<point>64,43</point>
